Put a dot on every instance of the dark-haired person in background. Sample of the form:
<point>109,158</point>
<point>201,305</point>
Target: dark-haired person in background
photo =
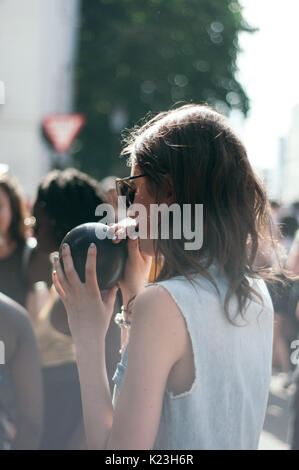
<point>295,209</point>
<point>288,226</point>
<point>109,191</point>
<point>293,312</point>
<point>293,265</point>
<point>275,207</point>
<point>14,249</point>
<point>21,402</point>
<point>285,324</point>
<point>65,199</point>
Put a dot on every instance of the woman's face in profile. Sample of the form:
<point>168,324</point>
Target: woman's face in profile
<point>143,196</point>
<point>5,213</point>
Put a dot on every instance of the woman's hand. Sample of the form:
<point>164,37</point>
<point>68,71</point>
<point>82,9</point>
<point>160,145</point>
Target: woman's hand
<point>138,264</point>
<point>88,313</point>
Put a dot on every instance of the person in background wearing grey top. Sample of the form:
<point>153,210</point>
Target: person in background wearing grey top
<point>21,399</point>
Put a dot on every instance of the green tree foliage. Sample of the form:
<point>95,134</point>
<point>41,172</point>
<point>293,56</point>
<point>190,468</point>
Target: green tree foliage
<point>140,56</point>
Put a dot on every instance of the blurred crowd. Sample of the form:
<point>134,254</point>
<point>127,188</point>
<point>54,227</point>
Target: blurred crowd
<point>285,298</point>
<point>40,401</point>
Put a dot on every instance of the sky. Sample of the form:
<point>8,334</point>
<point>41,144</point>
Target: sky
<point>269,72</point>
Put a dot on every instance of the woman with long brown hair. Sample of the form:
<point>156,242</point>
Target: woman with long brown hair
<point>196,369</point>
<point>14,250</point>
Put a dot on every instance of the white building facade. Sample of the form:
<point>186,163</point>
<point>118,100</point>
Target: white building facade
<point>37,50</point>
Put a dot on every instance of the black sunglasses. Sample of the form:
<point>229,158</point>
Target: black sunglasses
<point>123,188</point>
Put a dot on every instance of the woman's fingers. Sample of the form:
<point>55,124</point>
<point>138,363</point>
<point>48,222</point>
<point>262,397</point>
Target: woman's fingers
<point>109,298</point>
<point>113,232</point>
<point>123,229</point>
<point>133,247</point>
<point>91,269</point>
<point>70,272</point>
<point>119,233</point>
<point>58,286</point>
<point>60,275</point>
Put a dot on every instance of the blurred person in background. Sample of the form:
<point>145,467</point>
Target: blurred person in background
<point>294,348</point>
<point>295,406</point>
<point>65,199</point>
<point>21,402</point>
<point>293,265</point>
<point>288,226</point>
<point>293,258</point>
<point>295,210</point>
<point>275,208</point>
<point>265,255</point>
<point>109,191</point>
<point>15,245</point>
<point>285,324</point>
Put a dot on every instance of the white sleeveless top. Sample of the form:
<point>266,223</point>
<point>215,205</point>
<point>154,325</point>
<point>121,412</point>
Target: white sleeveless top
<point>226,405</point>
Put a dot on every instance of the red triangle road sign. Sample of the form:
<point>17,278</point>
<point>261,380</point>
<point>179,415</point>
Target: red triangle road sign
<point>62,129</point>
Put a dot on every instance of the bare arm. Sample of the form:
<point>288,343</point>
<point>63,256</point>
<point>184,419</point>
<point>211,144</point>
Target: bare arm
<point>156,343</point>
<point>157,340</point>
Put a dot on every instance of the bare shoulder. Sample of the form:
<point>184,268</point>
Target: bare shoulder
<point>156,313</point>
<point>155,300</point>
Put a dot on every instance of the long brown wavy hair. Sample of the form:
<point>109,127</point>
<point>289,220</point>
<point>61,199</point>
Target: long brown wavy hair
<point>17,229</point>
<point>208,165</point>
